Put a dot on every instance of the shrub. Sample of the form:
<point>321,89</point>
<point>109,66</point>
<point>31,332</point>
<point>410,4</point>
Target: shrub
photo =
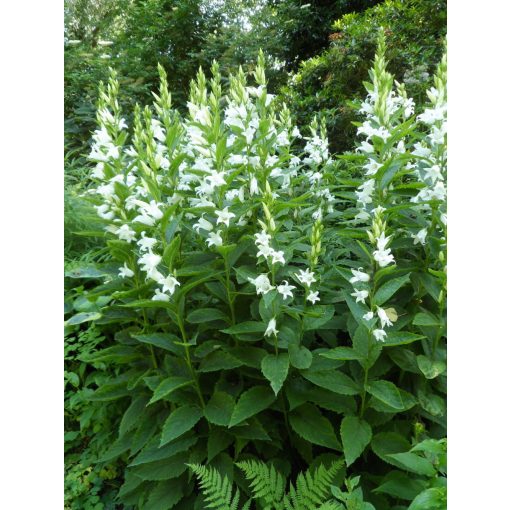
<point>266,305</point>
<point>414,30</point>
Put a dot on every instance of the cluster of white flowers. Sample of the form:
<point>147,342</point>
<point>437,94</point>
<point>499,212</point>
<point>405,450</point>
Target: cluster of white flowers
<point>202,168</point>
<point>431,153</point>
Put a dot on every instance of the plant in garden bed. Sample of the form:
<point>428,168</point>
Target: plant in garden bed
<point>262,306</point>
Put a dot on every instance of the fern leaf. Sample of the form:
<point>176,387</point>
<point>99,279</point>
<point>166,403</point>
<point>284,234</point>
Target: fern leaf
<point>267,484</point>
<point>217,491</point>
<point>312,488</point>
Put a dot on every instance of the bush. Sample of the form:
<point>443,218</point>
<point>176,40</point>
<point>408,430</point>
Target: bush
<point>267,303</point>
<point>415,32</point>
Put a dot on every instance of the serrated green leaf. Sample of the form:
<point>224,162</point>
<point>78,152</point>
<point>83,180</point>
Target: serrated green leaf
<point>219,360</point>
<point>201,315</point>
<point>167,386</point>
<point>180,421</point>
<point>414,463</point>
<point>244,328</point>
<point>165,495</point>
<point>162,469</point>
<point>165,341</point>
<point>300,357</point>
<point>342,353</point>
<point>308,422</point>
<point>400,338</point>
<point>332,380</point>
<point>387,290</point>
<point>426,319</point>
<point>430,499</point>
<point>386,392</point>
<point>250,403</point>
<point>356,435</point>
<point>80,318</point>
<point>430,368</point>
<point>219,408</point>
<point>275,369</point>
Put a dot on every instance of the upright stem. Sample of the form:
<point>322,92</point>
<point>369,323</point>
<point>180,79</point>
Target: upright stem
<point>188,361</point>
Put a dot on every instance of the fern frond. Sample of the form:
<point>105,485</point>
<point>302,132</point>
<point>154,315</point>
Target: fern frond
<point>331,505</point>
<point>217,490</point>
<point>267,484</point>
<point>312,488</point>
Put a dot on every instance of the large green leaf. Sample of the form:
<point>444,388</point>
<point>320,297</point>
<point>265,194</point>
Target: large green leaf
<point>168,385</point>
<point>414,463</point>
<point>180,421</point>
<point>300,357</point>
<point>356,435</point>
<point>332,380</point>
<point>82,317</point>
<point>430,368</point>
<point>162,340</point>
<point>250,403</point>
<point>386,392</point>
<point>400,338</point>
<point>308,422</point>
<point>201,315</point>
<point>430,499</point>
<point>389,288</point>
<point>163,469</point>
<point>219,408</point>
<point>165,495</point>
<point>275,369</point>
<point>244,328</point>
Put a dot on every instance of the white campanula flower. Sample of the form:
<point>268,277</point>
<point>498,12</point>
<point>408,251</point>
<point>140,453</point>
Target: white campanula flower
<point>368,316</point>
<point>125,233</point>
<point>264,251</point>
<point>214,239</point>
<point>295,132</point>
<point>104,212</point>
<point>262,284</point>
<point>168,284</point>
<point>149,261</point>
<point>383,317</point>
<point>306,277</point>
<point>366,147</point>
<point>237,159</point>
<point>125,271</point>
<point>383,257</point>
<point>433,173</point>
<point>277,257</point>
<point>420,237</point>
<point>203,224</point>
<point>145,219</point>
<point>379,334</point>
<point>360,295</point>
<point>366,191</point>
<point>98,171</point>
<point>271,328</point>
<point>160,296</point>
<point>372,167</point>
<point>254,186</point>
<point>313,297</point>
<point>262,238</point>
<point>146,243</point>
<point>224,216</point>
<point>421,151</point>
<point>157,130</point>
<point>216,179</point>
<point>359,276</point>
<point>285,289</point>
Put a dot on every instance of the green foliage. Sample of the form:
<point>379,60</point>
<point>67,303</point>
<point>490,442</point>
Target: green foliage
<point>327,82</point>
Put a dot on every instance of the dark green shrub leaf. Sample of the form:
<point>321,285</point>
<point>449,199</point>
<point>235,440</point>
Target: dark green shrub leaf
<point>205,315</point>
<point>356,435</point>
<point>389,288</point>
<point>168,385</point>
<point>275,369</point>
<point>430,499</point>
<point>308,422</point>
<point>386,392</point>
<point>219,408</point>
<point>250,403</point>
<point>180,421</point>
<point>332,380</point>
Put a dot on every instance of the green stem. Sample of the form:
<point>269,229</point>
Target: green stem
<point>188,361</point>
<point>363,396</point>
